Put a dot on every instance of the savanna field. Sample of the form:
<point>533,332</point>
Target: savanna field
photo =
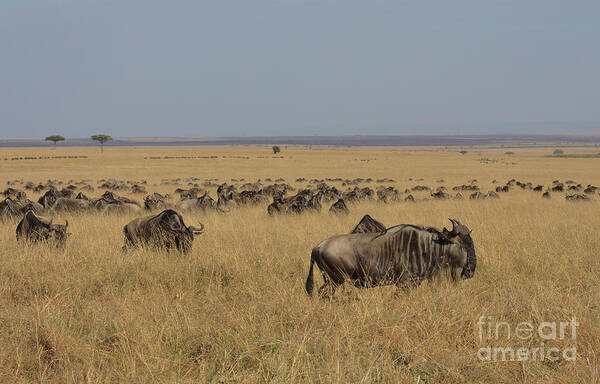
<point>234,309</point>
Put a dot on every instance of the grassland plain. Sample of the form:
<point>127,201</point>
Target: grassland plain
<point>235,310</point>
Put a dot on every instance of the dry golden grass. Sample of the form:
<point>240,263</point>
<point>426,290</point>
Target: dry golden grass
<point>235,310</point>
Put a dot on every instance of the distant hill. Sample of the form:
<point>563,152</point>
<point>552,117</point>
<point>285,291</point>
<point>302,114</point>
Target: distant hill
<point>358,140</point>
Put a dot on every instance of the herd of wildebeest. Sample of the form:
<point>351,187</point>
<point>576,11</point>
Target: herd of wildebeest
<point>371,254</point>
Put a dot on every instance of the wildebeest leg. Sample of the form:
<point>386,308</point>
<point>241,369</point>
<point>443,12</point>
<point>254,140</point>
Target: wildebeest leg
<point>410,283</point>
<point>327,290</point>
<point>456,273</point>
<point>131,240</point>
<point>328,287</point>
<point>325,286</point>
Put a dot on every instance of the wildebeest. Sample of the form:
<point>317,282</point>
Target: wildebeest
<point>590,189</point>
<point>121,209</point>
<point>303,201</point>
<point>48,199</point>
<point>339,207</point>
<point>577,197</point>
<point>165,229</point>
<point>65,204</point>
<point>502,189</point>
<point>419,188</point>
<point>492,195</point>
<point>13,208</point>
<point>403,255</point>
<point>440,195</point>
<point>465,187</point>
<point>357,194</point>
<point>203,203</point>
<point>388,194</point>
<point>328,193</point>
<point>368,225</point>
<point>156,201</point>
<point>34,228</point>
<point>14,193</point>
<point>481,196</point>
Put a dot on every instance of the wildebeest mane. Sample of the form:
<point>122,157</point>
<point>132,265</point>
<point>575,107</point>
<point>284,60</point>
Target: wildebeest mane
<point>440,236</point>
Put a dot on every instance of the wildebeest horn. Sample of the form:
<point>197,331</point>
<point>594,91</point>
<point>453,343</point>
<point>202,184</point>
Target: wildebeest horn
<point>66,224</point>
<point>454,225</point>
<point>197,230</point>
<point>458,228</point>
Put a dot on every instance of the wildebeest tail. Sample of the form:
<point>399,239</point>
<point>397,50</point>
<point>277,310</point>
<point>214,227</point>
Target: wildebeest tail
<point>309,280</point>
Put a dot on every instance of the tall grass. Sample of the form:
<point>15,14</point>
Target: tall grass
<point>235,310</point>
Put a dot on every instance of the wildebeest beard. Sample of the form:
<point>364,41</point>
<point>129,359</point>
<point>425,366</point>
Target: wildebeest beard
<point>180,239</point>
<point>469,268</point>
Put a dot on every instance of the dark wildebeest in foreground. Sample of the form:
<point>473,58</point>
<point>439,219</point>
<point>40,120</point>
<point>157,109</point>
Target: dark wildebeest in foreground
<point>34,228</point>
<point>403,255</point>
<point>165,229</point>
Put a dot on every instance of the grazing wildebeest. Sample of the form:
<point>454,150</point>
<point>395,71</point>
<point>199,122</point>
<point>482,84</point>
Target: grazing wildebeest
<point>121,209</point>
<point>577,197</point>
<point>441,195</point>
<point>9,208</point>
<point>303,201</point>
<point>502,189</point>
<point>328,193</point>
<point>14,193</point>
<point>357,194</point>
<point>368,225</point>
<point>388,194</point>
<point>203,203</point>
<point>492,195</point>
<point>465,187</point>
<point>590,189</point>
<point>339,207</point>
<point>403,255</point>
<point>48,199</point>
<point>13,208</point>
<point>33,228</point>
<point>165,229</point>
<point>156,201</point>
<point>65,204</point>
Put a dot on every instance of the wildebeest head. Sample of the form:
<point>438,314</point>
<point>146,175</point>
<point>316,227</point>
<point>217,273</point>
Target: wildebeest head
<point>58,233</point>
<point>178,232</point>
<point>34,228</point>
<point>461,235</point>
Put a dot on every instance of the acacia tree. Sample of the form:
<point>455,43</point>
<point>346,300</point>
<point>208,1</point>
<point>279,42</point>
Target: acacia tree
<point>101,139</point>
<point>276,149</point>
<point>55,139</point>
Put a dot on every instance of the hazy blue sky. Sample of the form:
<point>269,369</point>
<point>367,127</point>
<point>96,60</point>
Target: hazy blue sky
<point>260,67</point>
